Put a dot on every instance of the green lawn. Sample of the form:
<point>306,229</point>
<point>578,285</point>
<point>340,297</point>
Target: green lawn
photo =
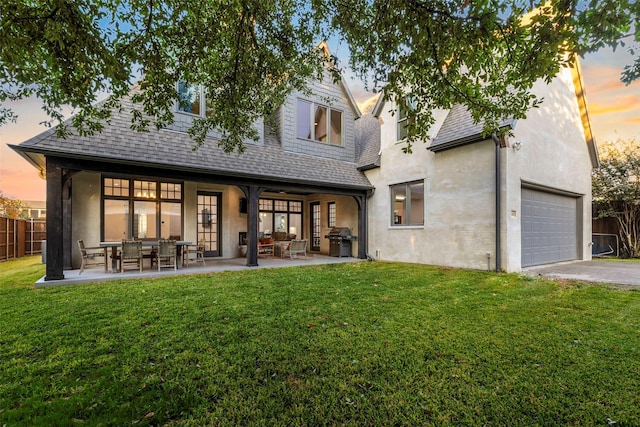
<point>348,344</point>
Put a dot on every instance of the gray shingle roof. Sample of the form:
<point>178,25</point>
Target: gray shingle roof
<point>117,143</point>
<point>367,142</point>
<point>459,129</point>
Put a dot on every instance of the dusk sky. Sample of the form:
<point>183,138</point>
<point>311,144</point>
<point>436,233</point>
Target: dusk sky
<point>614,110</point>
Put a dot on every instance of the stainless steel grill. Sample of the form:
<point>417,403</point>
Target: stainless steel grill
<point>340,239</point>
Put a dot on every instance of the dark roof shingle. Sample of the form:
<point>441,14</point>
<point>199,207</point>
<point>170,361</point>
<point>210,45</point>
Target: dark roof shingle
<point>173,150</point>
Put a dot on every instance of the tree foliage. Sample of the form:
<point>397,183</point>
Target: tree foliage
<point>249,54</point>
<point>11,207</point>
<point>616,191</point>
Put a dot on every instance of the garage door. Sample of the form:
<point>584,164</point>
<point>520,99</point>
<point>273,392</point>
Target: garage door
<point>549,227</point>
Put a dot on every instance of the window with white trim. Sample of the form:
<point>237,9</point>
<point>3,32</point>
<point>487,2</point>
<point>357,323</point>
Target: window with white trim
<point>318,123</point>
<point>407,203</point>
<point>192,100</point>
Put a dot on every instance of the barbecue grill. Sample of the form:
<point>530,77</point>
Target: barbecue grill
<point>340,239</point>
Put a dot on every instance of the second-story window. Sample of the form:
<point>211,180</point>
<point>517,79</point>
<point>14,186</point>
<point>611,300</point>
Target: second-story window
<point>192,100</point>
<point>318,123</point>
<point>403,118</point>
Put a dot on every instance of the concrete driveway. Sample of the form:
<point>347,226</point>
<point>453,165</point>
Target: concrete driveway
<point>621,273</point>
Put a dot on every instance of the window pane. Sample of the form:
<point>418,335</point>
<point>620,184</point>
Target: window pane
<point>402,129</point>
<point>336,127</point>
<point>144,220</point>
<point>189,98</point>
<point>320,123</point>
<point>265,224</point>
<point>332,214</point>
<point>116,187</point>
<point>281,222</point>
<point>417,203</point>
<point>281,205</point>
<point>295,206</point>
<point>144,189</point>
<point>116,220</point>
<point>171,220</point>
<point>170,190</point>
<point>304,119</point>
<point>266,205</point>
<point>399,203</point>
<point>403,122</point>
<point>295,225</point>
<point>209,107</point>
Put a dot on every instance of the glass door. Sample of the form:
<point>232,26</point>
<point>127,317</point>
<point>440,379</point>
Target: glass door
<point>315,226</point>
<point>209,210</point>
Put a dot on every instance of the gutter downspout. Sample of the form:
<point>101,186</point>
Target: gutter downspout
<point>498,203</point>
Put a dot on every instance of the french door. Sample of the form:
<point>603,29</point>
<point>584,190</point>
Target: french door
<point>209,214</point>
<point>316,226</point>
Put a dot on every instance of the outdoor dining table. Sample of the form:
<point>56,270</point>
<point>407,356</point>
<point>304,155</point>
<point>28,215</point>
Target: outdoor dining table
<point>145,243</point>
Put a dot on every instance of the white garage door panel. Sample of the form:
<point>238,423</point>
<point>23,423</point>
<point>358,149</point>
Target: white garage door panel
<point>549,228</point>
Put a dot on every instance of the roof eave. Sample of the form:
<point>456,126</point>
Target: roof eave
<point>37,157</point>
<point>578,84</point>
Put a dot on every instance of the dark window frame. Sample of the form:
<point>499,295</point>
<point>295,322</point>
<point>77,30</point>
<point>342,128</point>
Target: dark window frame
<point>332,214</point>
<point>132,198</point>
<point>396,220</point>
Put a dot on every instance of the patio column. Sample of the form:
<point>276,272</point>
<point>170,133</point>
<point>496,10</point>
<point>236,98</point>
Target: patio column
<point>362,226</point>
<point>66,218</point>
<point>252,193</point>
<point>55,250</point>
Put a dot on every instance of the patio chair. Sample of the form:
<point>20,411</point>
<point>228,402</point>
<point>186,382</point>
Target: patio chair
<point>295,248</point>
<point>266,247</point>
<point>151,254</point>
<point>194,253</point>
<point>91,256</point>
<point>167,254</point>
<point>131,253</point>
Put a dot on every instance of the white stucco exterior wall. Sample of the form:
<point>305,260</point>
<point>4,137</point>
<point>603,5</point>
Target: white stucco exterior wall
<point>460,213</point>
<point>458,228</point>
<point>86,209</point>
<point>553,155</point>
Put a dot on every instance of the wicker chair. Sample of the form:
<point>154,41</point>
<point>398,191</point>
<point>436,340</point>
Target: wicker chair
<point>295,248</point>
<point>167,254</point>
<point>131,253</point>
<point>91,256</point>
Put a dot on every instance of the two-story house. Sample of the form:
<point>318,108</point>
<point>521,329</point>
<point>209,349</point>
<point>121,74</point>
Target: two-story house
<point>326,164</point>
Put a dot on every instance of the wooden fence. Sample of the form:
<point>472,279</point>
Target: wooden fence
<point>21,237</point>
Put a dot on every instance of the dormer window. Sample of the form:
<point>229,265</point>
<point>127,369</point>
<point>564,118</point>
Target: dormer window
<point>319,123</point>
<point>192,100</point>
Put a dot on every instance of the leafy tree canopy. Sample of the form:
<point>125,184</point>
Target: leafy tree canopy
<point>249,54</point>
<point>11,207</point>
<point>616,190</point>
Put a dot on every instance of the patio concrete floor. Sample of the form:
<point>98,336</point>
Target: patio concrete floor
<point>214,265</point>
<point>619,273</point>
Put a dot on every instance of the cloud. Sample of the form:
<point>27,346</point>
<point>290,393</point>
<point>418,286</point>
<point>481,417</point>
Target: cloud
<point>619,104</point>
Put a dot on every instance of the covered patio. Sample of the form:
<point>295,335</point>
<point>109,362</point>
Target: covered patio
<point>97,274</point>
